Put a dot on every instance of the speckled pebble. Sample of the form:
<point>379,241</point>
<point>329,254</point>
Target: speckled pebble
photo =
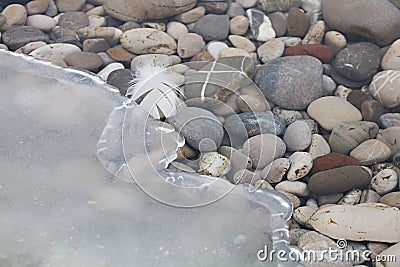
<point>385,181</point>
<point>300,165</point>
<point>270,50</point>
<point>371,152</point>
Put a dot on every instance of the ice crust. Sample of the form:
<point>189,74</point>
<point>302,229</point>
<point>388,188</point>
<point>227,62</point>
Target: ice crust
<point>59,206</point>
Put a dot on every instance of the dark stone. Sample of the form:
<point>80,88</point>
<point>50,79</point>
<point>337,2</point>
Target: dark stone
<point>212,27</point>
<point>121,79</point>
<point>331,161</point>
<point>73,20</point>
<point>297,22</point>
<point>322,52</point>
<point>20,36</point>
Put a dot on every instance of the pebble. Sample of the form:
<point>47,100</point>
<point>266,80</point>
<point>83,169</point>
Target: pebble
<point>391,137</point>
<point>372,110</point>
<point>200,127</point>
<point>20,36</point>
<point>245,176</point>
<point>279,23</point>
<point>357,97</point>
<point>389,120</point>
<point>381,26</point>
<point>331,110</point>
<point>26,49</point>
<point>73,20</point>
<point>260,25</point>
<point>369,196</point>
<point>252,102</point>
<point>53,52</point>
<point>277,5</point>
<point>239,25</point>
<point>69,5</point>
<point>291,82</point>
<point>295,187</point>
<point>318,147</point>
<point>120,78</point>
<point>358,61</point>
<point>329,85</point>
<point>15,15</point>
<point>385,88</point>
<point>141,60</point>
<point>331,161</point>
<point>247,3</point>
<point>105,72</point>
<point>235,9</point>
<point>270,50</point>
<point>214,7</point>
<point>371,152</point>
<point>391,199</point>
<point>214,164</point>
<point>97,21</point>
<point>297,22</point>
<point>137,10</point>
<point>36,7</point>
<point>143,41</point>
<point>311,5</point>
<point>95,45</point>
<point>322,52</point>
<point>315,34</point>
<point>176,29</point>
<point>192,15</point>
<point>263,149</point>
<point>385,181</point>
<point>242,43</point>
<point>358,222</point>
<point>110,34</point>
<point>335,40</point>
<point>52,9</point>
<point>346,136</point>
<point>351,198</point>
<point>263,184</point>
<point>289,116</point>
<point>329,199</point>
<point>42,22</point>
<point>238,160</point>
<point>338,180</point>
<point>84,60</point>
<point>292,198</point>
<point>120,54</point>
<point>391,59</point>
<point>297,136</point>
<point>233,52</point>
<point>300,165</point>
<point>214,48</point>
<point>276,170</point>
<point>189,44</point>
<point>212,27</point>
<point>302,215</point>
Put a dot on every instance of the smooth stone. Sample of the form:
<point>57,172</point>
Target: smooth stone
<point>371,152</point>
<point>335,40</point>
<point>329,199</point>
<point>290,41</point>
<point>315,34</point>
<point>391,137</point>
<point>297,22</point>
<point>311,5</point>
<point>192,15</point>
<point>200,127</point>
<point>322,52</point>
<point>20,36</point>
<point>84,60</point>
<point>382,24</point>
<point>276,170</point>
<point>238,160</point>
<point>338,180</point>
<point>372,110</point>
<point>239,25</point>
<point>351,198</point>
<point>214,48</point>
<point>260,25</point>
<point>105,72</point>
<point>292,198</point>
<point>319,146</point>
<point>279,23</point>
<point>52,9</point>
<point>111,34</point>
<point>235,9</point>
<point>263,149</point>
<point>277,5</point>
<point>138,11</point>
<point>391,59</point>
<point>15,16</point>
<point>120,54</point>
<point>348,135</point>
<point>144,41</point>
<point>390,253</point>
<point>270,50</point>
<point>42,22</point>
<point>357,61</point>
<point>391,199</point>
<point>340,79</point>
<point>214,164</point>
<point>73,20</point>
<point>54,51</point>
<point>69,5</point>
<point>37,7</point>
<point>26,49</point>
<point>385,87</point>
<point>291,82</point>
<point>331,161</point>
<point>295,187</point>
<point>247,3</point>
<point>245,176</point>
<point>120,78</point>
<point>357,97</point>
<point>156,59</point>
<point>97,21</point>
<point>358,222</point>
<point>297,136</point>
<point>329,85</point>
<point>389,120</point>
<point>233,52</point>
<point>252,102</point>
<point>212,27</point>
<point>302,215</point>
<point>95,45</point>
<point>385,181</point>
<point>176,29</point>
<point>328,111</point>
<point>242,43</point>
<point>189,44</point>
<point>300,165</point>
<point>214,7</point>
<point>369,196</point>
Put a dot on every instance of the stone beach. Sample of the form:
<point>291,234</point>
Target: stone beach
<point>298,96</point>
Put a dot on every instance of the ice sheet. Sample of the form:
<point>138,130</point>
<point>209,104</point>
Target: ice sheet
<point>60,207</point>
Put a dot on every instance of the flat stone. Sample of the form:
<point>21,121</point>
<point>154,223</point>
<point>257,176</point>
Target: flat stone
<point>331,110</point>
<point>357,98</point>
<point>137,10</point>
<point>84,60</point>
<point>358,222</point>
<point>69,5</point>
<point>348,135</point>
<point>212,27</point>
<point>235,9</point>
<point>391,59</point>
<point>95,45</point>
<point>300,165</point>
<point>111,34</point>
<point>143,41</point>
<point>189,44</point>
<point>331,161</point>
<point>297,22</point>
<point>297,136</point>
<point>295,187</point>
<point>242,43</point>
<point>391,137</point>
<point>381,27</point>
<point>176,29</point>
<point>277,5</point>
<point>338,180</point>
<point>322,52</point>
<point>20,36</point>
<point>26,49</point>
<point>371,152</point>
<point>73,20</point>
<point>42,22</point>
<point>52,52</point>
<point>391,199</point>
<point>214,164</point>
<point>358,61</point>
<point>156,59</point>
<point>271,50</point>
<point>120,54</point>
<point>247,3</point>
<point>385,87</point>
<point>214,7</point>
<point>239,25</point>
<point>291,82</point>
<point>389,120</point>
<point>279,23</point>
<point>37,7</point>
<point>15,16</point>
<point>192,15</point>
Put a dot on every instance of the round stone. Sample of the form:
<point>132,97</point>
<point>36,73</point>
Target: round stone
<point>295,187</point>
<point>263,149</point>
<point>297,136</point>
<point>335,40</point>
<point>120,78</point>
<point>201,129</point>
<point>95,45</point>
<point>385,181</point>
<point>157,59</point>
<point>189,44</point>
<point>138,10</point>
<point>53,52</point>
<point>212,27</point>
<point>235,9</point>
<point>357,61</point>
<point>391,137</point>
<point>346,136</point>
<point>391,59</point>
<point>120,54</point>
<point>15,16</point>
<point>331,110</point>
<point>242,43</point>
<point>176,29</point>
<point>73,20</point>
<point>338,180</point>
<point>275,171</point>
<point>37,7</point>
<point>385,87</point>
<point>331,161</point>
<point>291,82</point>
<point>270,50</point>
<point>42,22</point>
<point>371,152</point>
<point>84,60</point>
<point>239,25</point>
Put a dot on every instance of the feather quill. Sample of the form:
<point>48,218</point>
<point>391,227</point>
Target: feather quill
<point>158,87</point>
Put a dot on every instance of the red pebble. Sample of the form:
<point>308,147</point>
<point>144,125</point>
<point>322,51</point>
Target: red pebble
<point>322,52</point>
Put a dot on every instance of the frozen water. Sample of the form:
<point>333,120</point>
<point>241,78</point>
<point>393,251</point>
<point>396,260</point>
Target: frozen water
<point>60,207</point>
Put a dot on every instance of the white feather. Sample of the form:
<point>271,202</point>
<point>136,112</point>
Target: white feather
<point>159,89</point>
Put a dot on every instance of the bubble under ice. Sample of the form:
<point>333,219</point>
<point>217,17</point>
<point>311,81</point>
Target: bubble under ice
<point>60,207</point>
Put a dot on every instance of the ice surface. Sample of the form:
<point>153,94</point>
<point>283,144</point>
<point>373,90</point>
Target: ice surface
<point>60,207</point>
